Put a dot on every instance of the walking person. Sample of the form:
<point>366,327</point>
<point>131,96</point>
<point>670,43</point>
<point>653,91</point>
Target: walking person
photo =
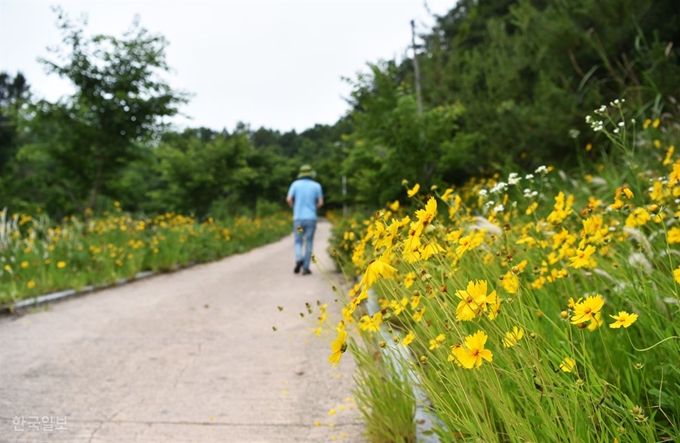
<point>305,196</point>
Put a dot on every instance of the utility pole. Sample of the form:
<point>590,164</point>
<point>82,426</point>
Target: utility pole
<point>344,196</point>
<point>415,67</point>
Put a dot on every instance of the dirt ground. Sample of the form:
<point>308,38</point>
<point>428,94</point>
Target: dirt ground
<point>183,357</point>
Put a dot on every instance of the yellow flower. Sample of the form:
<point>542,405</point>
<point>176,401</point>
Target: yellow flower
<point>371,324</point>
<point>61,264</point>
<point>511,338</point>
<point>676,275</point>
<point>596,322</point>
<point>469,242</point>
<point>447,194</point>
<point>656,123</point>
<point>669,156</point>
<point>426,215</point>
<point>413,191</point>
<point>376,269</point>
<point>398,307</point>
<point>394,206</point>
<point>623,319</point>
<point>674,235</point>
<point>638,217</point>
<point>409,279</point>
<point>586,310</point>
<point>24,264</point>
<point>647,123</point>
<point>568,364</point>
<point>474,351</point>
<point>532,207</point>
<point>583,258</point>
<point>338,347</point>
<point>408,339</point>
<point>30,284</point>
<point>474,300</point>
<point>561,209</point>
<point>441,338</point>
<point>419,315</point>
<point>510,282</point>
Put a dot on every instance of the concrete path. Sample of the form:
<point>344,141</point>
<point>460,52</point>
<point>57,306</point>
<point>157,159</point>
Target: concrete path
<point>183,357</point>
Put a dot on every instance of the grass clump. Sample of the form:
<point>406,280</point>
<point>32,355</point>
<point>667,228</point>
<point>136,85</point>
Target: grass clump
<point>38,256</point>
<point>540,306</point>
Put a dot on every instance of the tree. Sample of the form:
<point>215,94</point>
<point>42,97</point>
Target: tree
<point>118,104</point>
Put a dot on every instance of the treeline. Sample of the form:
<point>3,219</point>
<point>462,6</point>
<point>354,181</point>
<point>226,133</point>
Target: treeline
<point>505,85</point>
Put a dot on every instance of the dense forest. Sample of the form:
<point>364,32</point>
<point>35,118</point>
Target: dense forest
<point>505,85</point>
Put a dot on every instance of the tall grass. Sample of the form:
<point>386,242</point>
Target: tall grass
<point>38,256</point>
<point>541,306</point>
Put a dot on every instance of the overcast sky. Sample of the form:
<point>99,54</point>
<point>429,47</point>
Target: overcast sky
<point>271,63</point>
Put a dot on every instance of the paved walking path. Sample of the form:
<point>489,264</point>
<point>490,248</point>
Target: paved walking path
<point>183,357</point>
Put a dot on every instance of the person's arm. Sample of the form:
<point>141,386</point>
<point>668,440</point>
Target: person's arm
<point>289,200</point>
<point>319,198</point>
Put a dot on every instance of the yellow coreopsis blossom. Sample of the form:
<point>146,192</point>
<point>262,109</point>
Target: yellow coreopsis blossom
<point>657,192</point>
<point>419,315</point>
<point>425,216</point>
<point>430,249</point>
<point>437,342</point>
<point>674,235</point>
<point>586,310</point>
<point>413,191</point>
<point>676,275</point>
<point>568,364</point>
<point>596,322</point>
<point>511,338</point>
<point>445,196</point>
<point>394,206</point>
<point>469,242</point>
<point>409,279</point>
<point>583,258</point>
<point>375,270</point>
<point>638,217</point>
<point>408,339</point>
<point>510,282</point>
<point>398,307</point>
<point>674,176</point>
<point>30,284</point>
<point>669,156</point>
<point>623,319</point>
<point>561,209</point>
<point>532,207</point>
<point>474,300</point>
<point>371,324</point>
<point>61,264</point>
<point>474,352</point>
<point>338,347</point>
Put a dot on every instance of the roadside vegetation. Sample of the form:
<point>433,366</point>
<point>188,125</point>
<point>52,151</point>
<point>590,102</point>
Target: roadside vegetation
<point>38,256</point>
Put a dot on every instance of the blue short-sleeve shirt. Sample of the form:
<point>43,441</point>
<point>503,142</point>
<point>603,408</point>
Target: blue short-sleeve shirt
<point>305,193</point>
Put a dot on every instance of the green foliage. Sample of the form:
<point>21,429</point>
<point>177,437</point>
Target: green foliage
<point>515,79</point>
<point>90,137</point>
<point>38,256</point>
<point>384,398</point>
